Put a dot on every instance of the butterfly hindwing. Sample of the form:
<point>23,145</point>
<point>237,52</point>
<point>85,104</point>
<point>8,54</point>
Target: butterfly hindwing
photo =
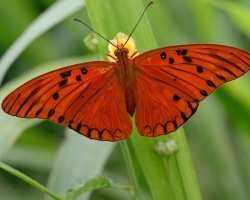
<point>79,96</point>
<point>105,117</point>
<point>159,110</point>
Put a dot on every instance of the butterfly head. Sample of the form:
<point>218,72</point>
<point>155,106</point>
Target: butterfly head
<point>118,46</point>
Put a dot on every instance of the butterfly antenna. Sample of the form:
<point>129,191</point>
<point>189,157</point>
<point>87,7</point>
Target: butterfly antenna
<point>78,20</point>
<point>149,4</point>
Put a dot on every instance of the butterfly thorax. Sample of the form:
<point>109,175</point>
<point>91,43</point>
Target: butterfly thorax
<point>124,67</point>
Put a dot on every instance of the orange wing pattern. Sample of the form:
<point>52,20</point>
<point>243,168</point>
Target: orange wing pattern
<point>86,97</point>
<point>171,81</point>
<point>168,85</point>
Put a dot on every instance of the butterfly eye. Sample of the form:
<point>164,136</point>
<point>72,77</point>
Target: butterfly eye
<point>126,50</point>
<point>116,53</point>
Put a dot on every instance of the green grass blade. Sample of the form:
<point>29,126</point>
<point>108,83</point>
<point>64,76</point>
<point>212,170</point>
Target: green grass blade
<point>44,22</point>
<point>29,180</point>
<point>138,149</point>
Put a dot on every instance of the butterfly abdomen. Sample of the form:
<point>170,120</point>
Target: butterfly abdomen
<point>130,101</point>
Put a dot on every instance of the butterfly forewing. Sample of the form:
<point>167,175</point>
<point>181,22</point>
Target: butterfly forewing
<point>41,90</point>
<point>171,81</point>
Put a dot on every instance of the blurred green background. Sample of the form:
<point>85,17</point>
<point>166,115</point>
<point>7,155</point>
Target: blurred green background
<point>218,134</point>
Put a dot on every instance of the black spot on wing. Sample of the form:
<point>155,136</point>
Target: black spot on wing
<point>203,93</point>
<point>65,74</point>
<point>163,56</point>
<point>51,112</point>
<point>181,52</point>
<point>211,83</point>
<point>187,59</point>
<point>176,97</point>
<point>78,78</point>
<point>60,119</point>
<point>171,60</point>
<point>55,96</point>
<point>199,69</point>
<point>84,71</point>
<point>62,83</point>
<point>221,77</point>
<point>39,111</point>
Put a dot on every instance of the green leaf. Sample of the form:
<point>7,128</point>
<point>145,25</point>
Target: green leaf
<point>85,184</point>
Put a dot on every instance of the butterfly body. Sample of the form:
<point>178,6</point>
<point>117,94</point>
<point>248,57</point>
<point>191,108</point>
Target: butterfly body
<point>163,87</point>
<point>125,72</point>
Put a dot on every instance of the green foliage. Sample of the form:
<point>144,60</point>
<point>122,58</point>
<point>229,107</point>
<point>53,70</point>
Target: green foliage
<point>92,183</point>
<point>217,135</point>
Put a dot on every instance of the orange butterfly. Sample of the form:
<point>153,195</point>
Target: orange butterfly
<point>164,86</point>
